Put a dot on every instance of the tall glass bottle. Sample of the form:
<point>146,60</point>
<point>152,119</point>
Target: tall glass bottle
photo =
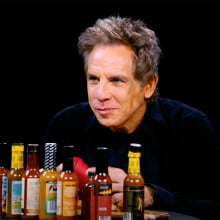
<point>88,198</point>
<point>48,183</point>
<point>31,184</point>
<point>3,178</point>
<point>67,187</point>
<point>15,181</point>
<point>133,196</point>
<point>103,186</point>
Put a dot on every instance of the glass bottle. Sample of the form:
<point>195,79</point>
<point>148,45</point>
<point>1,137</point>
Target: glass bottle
<point>48,183</point>
<point>88,198</point>
<point>67,187</point>
<point>15,181</point>
<point>133,196</point>
<point>31,184</point>
<point>3,179</point>
<point>103,186</point>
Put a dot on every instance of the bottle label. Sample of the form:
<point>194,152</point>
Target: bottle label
<point>22,192</point>
<point>32,199</point>
<point>51,195</point>
<point>16,186</point>
<point>104,202</point>
<point>59,198</point>
<point>133,202</point>
<point>70,193</point>
<point>4,192</point>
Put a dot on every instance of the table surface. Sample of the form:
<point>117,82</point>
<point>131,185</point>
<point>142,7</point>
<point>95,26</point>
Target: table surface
<point>172,216</point>
<point>180,216</point>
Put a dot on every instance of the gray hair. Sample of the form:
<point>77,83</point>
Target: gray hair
<point>133,33</point>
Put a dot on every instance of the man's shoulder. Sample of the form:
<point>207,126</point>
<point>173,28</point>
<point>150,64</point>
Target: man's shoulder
<point>82,106</point>
<point>173,103</point>
<point>178,107</point>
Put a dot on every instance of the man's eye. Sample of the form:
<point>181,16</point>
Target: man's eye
<point>92,78</point>
<point>117,80</point>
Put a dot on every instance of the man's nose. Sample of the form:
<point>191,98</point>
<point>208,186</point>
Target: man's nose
<point>103,91</point>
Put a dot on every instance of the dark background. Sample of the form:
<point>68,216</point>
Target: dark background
<point>41,72</point>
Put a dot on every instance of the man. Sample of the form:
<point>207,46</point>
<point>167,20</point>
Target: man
<point>180,149</point>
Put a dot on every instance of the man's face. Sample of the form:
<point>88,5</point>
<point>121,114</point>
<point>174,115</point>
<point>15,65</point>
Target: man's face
<point>115,96</point>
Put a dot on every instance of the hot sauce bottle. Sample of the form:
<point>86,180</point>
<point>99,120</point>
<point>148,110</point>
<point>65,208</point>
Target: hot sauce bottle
<point>88,198</point>
<point>103,186</point>
<point>133,196</point>
<point>48,183</point>
<point>15,181</point>
<point>3,179</point>
<point>31,184</point>
<point>67,187</point>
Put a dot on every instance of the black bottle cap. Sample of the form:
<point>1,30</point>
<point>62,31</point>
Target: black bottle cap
<point>68,153</point>
<point>135,147</point>
<point>102,160</point>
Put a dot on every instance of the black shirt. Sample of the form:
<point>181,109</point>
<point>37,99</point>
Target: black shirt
<point>180,155</point>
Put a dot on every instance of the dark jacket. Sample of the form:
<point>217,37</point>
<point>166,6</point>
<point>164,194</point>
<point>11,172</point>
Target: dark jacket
<point>180,152</point>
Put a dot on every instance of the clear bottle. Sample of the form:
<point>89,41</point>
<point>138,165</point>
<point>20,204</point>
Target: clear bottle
<point>48,183</point>
<point>67,187</point>
<point>88,198</point>
<point>3,179</point>
<point>133,196</point>
<point>31,184</point>
<point>15,181</point>
<point>103,186</point>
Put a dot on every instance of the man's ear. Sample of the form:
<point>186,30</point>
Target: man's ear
<point>150,87</point>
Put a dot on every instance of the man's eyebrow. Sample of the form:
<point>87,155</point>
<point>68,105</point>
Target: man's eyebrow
<point>118,76</point>
<point>90,74</point>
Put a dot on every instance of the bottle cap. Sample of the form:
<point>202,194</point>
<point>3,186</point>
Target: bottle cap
<point>17,147</point>
<point>91,173</point>
<point>50,150</point>
<point>32,147</point>
<point>102,160</point>
<point>134,150</point>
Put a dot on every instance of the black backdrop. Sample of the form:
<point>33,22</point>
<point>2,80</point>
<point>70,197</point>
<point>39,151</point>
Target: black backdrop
<point>40,71</point>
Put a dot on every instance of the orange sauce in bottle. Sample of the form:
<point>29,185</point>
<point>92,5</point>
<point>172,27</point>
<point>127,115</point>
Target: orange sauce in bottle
<point>67,188</point>
<point>31,184</point>
<point>48,184</point>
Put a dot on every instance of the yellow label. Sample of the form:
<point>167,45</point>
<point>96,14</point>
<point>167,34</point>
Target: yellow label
<point>17,157</point>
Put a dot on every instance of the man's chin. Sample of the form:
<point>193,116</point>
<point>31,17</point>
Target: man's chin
<point>112,126</point>
<point>106,123</point>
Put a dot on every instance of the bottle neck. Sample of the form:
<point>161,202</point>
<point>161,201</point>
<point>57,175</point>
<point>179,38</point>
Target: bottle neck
<point>5,153</point>
<point>17,159</point>
<point>32,160</point>
<point>68,164</point>
<point>91,175</point>
<point>134,162</point>
<point>102,160</point>
<point>90,178</point>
